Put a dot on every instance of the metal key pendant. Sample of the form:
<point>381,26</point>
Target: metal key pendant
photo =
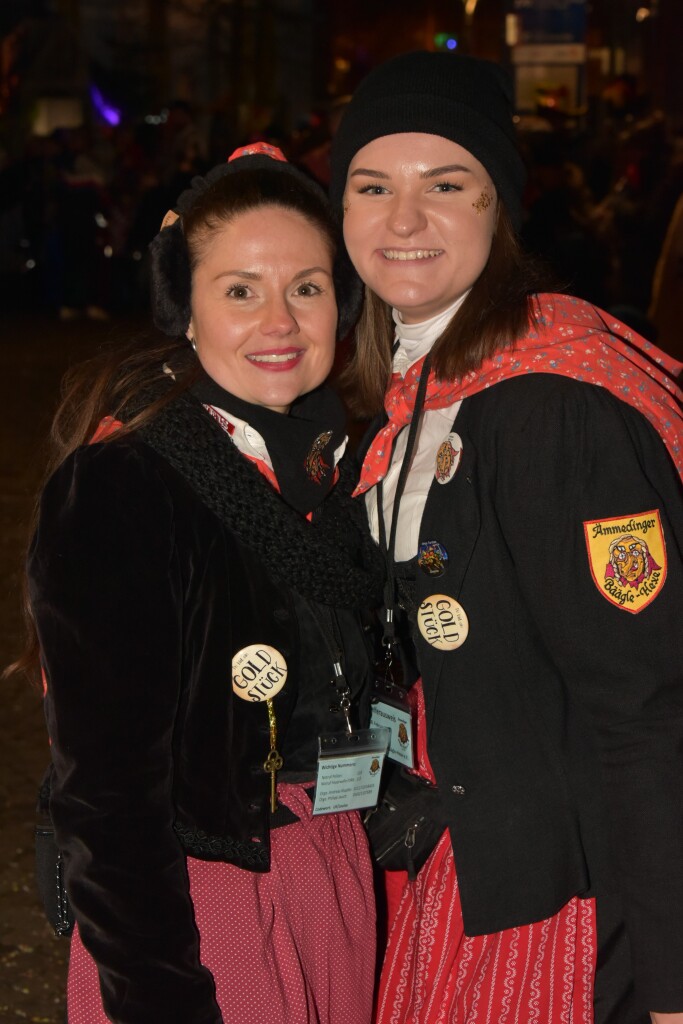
<point>272,764</point>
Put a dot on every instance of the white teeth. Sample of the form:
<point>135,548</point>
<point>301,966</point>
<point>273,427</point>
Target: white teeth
<point>414,254</point>
<point>286,357</point>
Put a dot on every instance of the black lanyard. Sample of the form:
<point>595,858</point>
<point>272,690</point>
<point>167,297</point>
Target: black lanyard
<point>328,625</point>
<point>388,550</point>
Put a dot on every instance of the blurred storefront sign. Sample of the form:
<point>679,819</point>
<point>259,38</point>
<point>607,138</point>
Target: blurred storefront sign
<point>550,21</point>
<point>53,112</point>
<point>549,53</point>
<point>547,40</point>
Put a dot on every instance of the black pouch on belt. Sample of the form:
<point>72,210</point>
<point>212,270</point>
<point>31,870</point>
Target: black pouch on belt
<point>407,823</point>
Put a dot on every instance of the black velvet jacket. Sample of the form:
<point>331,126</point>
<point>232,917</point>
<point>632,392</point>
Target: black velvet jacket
<point>141,596</point>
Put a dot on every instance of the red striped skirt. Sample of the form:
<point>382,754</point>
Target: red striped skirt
<point>435,974</point>
<point>293,946</point>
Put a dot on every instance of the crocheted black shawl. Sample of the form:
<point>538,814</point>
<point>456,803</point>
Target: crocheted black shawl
<point>332,560</point>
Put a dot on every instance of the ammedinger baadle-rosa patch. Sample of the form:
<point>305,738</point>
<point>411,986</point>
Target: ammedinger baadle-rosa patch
<point>627,556</point>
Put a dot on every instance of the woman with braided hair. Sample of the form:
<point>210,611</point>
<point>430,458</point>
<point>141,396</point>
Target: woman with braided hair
<point>196,581</point>
<point>518,435</point>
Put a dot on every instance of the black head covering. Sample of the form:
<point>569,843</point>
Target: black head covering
<point>464,99</point>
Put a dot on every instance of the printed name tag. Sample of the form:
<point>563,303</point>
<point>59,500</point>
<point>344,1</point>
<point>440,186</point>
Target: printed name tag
<point>349,770</point>
<point>400,723</point>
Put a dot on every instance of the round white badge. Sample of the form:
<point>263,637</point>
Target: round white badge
<point>443,622</point>
<point>448,458</point>
<point>258,672</point>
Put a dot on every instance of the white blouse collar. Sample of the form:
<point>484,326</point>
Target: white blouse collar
<point>415,340</point>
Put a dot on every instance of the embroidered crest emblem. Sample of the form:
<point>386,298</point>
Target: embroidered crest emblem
<point>313,463</point>
<point>448,458</point>
<point>627,557</point>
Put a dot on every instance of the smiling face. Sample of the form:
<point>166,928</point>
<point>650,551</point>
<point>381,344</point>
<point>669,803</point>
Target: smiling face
<point>419,217</point>
<point>264,314</point>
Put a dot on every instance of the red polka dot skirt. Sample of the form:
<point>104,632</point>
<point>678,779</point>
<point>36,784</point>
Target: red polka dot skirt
<point>293,946</point>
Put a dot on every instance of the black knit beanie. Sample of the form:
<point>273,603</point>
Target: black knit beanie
<point>464,99</point>
<point>171,277</point>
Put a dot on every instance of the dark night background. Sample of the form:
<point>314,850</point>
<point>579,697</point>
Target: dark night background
<point>109,107</point>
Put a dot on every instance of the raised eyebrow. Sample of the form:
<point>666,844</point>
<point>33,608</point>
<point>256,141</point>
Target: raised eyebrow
<point>367,172</point>
<point>433,172</point>
<point>311,270</point>
<point>437,172</point>
<point>246,275</point>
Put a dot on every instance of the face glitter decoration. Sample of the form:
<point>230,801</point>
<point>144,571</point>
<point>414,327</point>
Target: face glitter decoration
<point>483,202</point>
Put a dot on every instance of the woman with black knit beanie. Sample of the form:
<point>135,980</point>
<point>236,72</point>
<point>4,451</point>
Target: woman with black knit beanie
<point>196,580</point>
<point>524,486</point>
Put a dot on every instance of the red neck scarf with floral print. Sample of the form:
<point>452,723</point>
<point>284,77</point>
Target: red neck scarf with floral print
<point>570,337</point>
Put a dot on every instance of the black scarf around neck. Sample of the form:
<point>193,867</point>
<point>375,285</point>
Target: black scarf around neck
<point>301,443</point>
<point>332,560</point>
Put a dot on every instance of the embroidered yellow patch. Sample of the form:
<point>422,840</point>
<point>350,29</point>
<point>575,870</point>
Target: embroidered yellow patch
<point>627,556</point>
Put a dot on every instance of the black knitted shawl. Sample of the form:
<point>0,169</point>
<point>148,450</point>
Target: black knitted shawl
<point>332,560</point>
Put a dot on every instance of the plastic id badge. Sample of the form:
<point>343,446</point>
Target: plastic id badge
<point>390,708</point>
<point>349,770</point>
<point>396,717</point>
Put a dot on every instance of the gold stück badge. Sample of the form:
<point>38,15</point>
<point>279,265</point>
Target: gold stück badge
<point>627,557</point>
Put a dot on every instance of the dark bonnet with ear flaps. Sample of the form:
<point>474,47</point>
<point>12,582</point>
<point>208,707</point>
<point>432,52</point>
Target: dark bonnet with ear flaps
<point>171,277</point>
<point>464,99</point>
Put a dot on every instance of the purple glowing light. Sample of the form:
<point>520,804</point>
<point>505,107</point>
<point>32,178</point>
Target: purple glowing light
<point>108,113</point>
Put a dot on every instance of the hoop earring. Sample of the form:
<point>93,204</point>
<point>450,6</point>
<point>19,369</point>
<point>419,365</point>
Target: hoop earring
<point>193,343</point>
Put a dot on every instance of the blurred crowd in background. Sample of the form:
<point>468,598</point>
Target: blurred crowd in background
<point>603,207</point>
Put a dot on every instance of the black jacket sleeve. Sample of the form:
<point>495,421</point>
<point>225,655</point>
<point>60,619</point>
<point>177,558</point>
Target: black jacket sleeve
<point>107,597</point>
<point>573,456</point>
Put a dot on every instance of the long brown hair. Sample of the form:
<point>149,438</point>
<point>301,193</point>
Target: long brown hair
<point>497,311</point>
<point>113,381</point>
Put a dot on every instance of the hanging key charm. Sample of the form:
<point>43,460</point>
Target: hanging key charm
<point>273,763</point>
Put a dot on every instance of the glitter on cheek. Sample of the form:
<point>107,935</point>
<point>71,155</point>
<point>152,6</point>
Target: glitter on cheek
<point>483,202</point>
